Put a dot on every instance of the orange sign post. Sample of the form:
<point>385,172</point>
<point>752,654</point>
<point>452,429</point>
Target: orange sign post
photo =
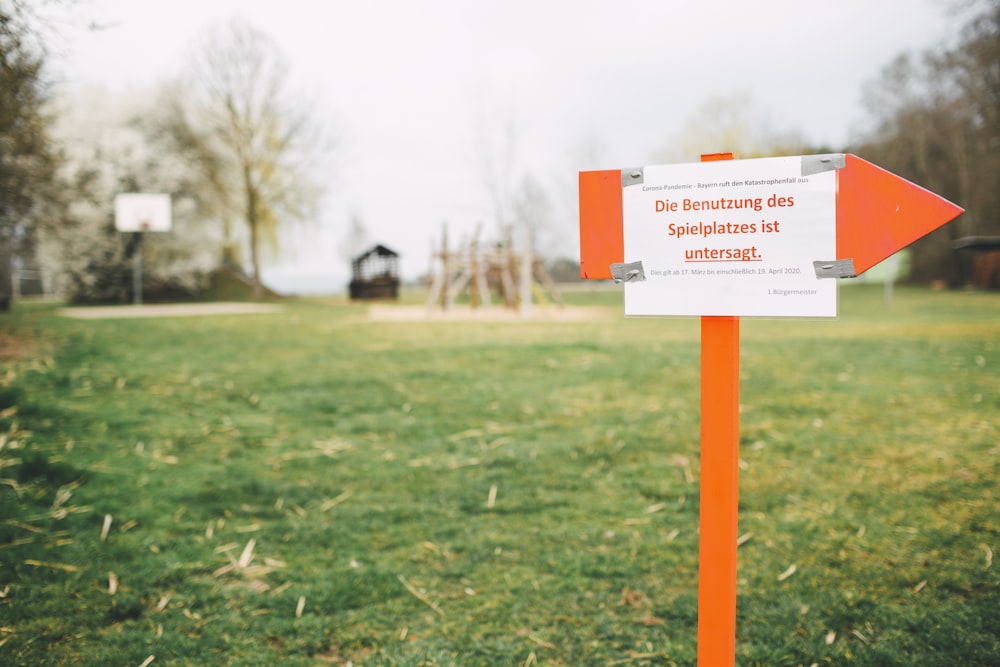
<point>876,214</point>
<point>718,508</point>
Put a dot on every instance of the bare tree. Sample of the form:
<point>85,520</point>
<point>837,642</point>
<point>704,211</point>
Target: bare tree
<point>936,122</point>
<point>532,209</point>
<point>355,239</point>
<point>256,142</point>
<point>496,144</point>
<point>728,123</point>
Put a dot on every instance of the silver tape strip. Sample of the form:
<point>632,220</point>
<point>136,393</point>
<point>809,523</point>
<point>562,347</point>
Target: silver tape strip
<point>839,268</point>
<point>817,164</point>
<point>628,272</point>
<point>632,176</point>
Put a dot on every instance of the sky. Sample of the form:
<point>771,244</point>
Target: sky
<point>422,95</point>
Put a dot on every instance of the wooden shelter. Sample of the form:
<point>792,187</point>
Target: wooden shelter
<point>375,274</point>
<point>987,262</point>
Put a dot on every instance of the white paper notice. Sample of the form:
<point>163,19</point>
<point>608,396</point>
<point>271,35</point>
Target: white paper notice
<point>736,237</point>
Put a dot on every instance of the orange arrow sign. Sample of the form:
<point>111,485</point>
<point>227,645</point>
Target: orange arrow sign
<point>878,214</point>
<point>602,242</point>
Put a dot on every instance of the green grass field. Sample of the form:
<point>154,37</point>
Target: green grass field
<point>317,488</point>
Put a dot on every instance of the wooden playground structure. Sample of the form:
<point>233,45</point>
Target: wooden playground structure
<point>475,274</point>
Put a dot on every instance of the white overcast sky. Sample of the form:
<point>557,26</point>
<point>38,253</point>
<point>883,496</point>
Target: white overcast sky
<point>588,84</point>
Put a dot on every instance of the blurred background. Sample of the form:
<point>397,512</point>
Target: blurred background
<point>293,136</point>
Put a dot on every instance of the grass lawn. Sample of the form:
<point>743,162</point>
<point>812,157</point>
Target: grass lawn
<point>313,487</point>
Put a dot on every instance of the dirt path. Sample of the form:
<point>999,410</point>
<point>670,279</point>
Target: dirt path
<point>492,314</point>
<point>170,310</point>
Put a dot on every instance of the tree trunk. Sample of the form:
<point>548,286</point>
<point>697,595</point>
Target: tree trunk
<point>6,270</point>
<point>254,224</point>
<point>258,287</point>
